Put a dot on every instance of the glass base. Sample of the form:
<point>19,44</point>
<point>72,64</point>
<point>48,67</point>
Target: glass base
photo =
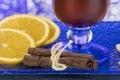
<point>100,53</point>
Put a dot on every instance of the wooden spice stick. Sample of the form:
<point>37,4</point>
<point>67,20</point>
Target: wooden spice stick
<point>31,60</point>
<point>47,52</point>
<point>95,64</point>
<point>45,62</point>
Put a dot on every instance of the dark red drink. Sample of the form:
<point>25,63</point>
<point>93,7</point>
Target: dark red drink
<point>80,13</point>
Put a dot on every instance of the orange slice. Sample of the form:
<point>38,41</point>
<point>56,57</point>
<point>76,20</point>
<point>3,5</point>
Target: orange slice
<point>54,31</point>
<point>14,45</point>
<point>35,27</point>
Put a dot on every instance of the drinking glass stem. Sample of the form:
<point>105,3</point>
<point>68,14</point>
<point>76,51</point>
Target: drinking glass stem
<point>80,37</point>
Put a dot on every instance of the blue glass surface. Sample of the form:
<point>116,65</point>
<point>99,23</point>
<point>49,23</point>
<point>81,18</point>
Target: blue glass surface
<point>106,34</point>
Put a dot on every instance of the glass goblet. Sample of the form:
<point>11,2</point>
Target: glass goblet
<point>80,15</point>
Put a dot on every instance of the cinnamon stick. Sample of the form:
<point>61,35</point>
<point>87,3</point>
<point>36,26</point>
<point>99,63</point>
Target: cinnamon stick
<point>47,52</point>
<point>45,62</point>
<point>95,64</point>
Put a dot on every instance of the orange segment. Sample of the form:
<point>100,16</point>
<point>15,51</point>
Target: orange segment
<point>14,45</point>
<point>54,31</point>
<point>35,27</point>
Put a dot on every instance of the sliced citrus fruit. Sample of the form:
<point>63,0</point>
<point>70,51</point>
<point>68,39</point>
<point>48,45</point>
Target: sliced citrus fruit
<point>14,45</point>
<point>118,47</point>
<point>54,31</point>
<point>35,27</point>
